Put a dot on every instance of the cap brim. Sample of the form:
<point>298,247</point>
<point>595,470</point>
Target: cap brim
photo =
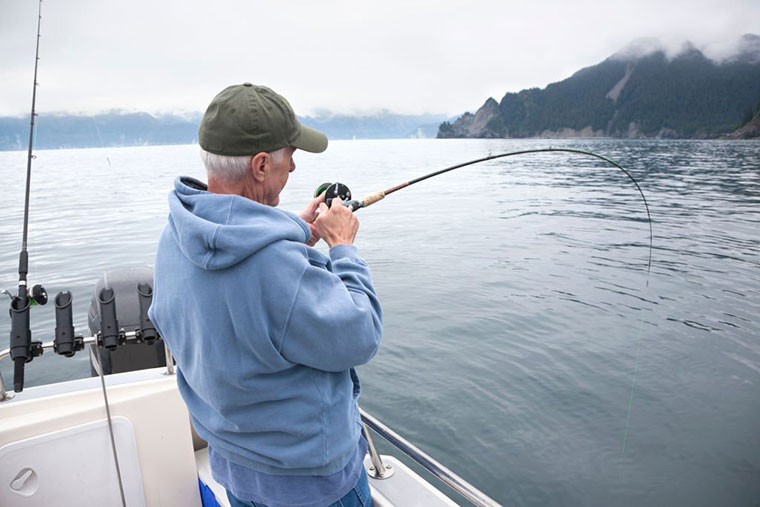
<point>309,139</point>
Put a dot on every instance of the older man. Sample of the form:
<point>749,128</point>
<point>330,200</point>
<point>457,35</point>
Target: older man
<point>265,329</point>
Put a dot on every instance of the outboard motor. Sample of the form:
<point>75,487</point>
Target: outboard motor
<point>131,290</point>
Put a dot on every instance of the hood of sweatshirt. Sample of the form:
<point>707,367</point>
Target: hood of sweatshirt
<point>216,231</point>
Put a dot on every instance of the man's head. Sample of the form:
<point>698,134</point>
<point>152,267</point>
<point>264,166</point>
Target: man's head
<point>250,133</point>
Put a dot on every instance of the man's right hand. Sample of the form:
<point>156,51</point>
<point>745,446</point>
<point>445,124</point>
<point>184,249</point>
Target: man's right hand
<point>337,225</point>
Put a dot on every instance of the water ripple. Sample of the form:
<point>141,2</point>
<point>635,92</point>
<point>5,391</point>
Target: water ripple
<point>516,310</point>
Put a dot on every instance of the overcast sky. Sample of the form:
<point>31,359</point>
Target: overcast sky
<point>343,56</point>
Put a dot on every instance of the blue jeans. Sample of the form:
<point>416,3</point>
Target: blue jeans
<point>359,496</point>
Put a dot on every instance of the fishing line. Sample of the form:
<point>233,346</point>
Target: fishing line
<point>333,190</point>
<point>100,138</point>
<point>98,360</point>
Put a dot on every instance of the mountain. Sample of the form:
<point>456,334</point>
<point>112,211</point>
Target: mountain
<point>110,129</point>
<point>130,129</point>
<point>637,92</point>
<point>383,125</point>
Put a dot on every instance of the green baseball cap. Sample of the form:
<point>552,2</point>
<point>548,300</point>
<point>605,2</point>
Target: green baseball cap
<point>246,119</point>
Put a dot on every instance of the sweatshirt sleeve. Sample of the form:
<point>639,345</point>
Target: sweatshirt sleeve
<point>335,322</point>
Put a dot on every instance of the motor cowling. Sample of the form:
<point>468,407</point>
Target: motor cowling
<point>129,286</point>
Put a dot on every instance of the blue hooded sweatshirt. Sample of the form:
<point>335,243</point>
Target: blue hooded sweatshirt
<point>265,331</point>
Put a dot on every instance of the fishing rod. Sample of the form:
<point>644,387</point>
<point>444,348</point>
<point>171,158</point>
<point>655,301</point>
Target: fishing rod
<point>342,192</point>
<point>22,348</point>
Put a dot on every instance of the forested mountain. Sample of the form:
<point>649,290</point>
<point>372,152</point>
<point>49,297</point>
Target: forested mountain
<point>630,95</point>
<point>111,129</point>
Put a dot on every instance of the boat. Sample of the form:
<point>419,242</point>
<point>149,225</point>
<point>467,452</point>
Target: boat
<point>124,435</point>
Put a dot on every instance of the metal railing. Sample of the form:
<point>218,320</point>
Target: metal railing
<point>464,488</point>
<point>90,340</point>
<point>382,471</point>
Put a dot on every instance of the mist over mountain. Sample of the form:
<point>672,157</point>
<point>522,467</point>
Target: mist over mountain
<point>649,89</point>
<point>130,129</point>
<point>645,90</point>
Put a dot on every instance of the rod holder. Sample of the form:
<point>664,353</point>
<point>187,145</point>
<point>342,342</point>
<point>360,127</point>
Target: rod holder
<point>21,334</point>
<point>148,331</point>
<point>21,340</point>
<point>110,335</point>
<point>66,343</point>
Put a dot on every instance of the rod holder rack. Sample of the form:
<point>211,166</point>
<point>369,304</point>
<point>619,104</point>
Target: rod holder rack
<point>133,336</point>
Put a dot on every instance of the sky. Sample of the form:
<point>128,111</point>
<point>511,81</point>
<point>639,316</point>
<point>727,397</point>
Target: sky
<point>348,57</point>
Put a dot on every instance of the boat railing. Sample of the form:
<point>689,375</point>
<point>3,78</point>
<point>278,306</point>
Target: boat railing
<point>452,480</point>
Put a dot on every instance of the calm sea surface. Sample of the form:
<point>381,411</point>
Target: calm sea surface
<point>517,316</point>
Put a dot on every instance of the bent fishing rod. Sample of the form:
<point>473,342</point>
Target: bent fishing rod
<point>22,348</point>
<point>341,191</point>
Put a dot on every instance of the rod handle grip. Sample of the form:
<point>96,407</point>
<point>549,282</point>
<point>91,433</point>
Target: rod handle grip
<point>373,198</point>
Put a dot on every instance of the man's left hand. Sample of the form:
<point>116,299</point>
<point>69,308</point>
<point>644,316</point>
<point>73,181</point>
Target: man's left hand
<point>309,214</point>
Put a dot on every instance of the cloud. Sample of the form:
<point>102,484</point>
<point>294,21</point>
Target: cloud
<point>746,46</point>
<point>408,57</point>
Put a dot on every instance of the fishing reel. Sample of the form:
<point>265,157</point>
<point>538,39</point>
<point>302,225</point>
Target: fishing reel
<point>38,297</point>
<point>337,190</point>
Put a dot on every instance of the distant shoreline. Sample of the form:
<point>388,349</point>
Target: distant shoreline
<point>548,139</point>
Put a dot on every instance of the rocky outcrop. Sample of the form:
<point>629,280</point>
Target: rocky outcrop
<point>750,130</point>
<point>485,123</point>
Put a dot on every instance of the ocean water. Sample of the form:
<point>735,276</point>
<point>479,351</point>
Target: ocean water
<point>523,347</point>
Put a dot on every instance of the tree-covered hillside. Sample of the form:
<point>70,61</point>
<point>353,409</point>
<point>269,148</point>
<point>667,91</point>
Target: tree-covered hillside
<point>129,129</point>
<point>630,96</point>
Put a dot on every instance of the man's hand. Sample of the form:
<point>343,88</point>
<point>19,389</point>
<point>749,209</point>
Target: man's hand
<point>337,225</point>
<point>309,214</point>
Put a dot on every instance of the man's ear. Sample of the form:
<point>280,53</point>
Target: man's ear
<point>260,166</point>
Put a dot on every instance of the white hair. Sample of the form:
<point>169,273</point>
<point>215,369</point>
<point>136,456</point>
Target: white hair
<point>232,168</point>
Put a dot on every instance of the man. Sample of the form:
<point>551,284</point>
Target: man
<point>265,329</point>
